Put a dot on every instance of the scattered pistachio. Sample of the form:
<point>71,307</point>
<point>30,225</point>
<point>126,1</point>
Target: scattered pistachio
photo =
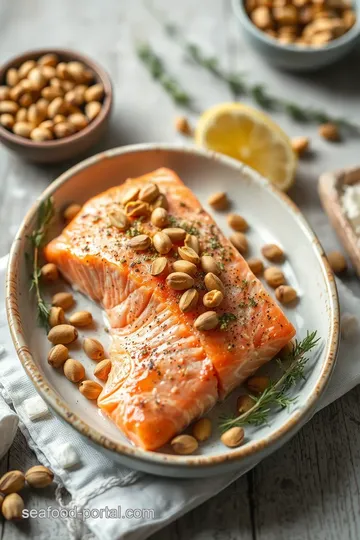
<point>140,242</point>
<point>64,300</point>
<point>159,267</point>
<point>207,321</point>
<point>273,252</point>
<point>330,132</point>
<point>39,476</point>
<point>285,294</point>
<point>179,281</point>
<point>189,300</point>
<point>237,223</point>
<point>233,437</point>
<point>49,272</point>
<point>103,369</point>
<point>162,243</point>
<point>56,316</point>
<point>160,217</point>
<point>71,211</point>
<point>74,371</point>
<point>149,193</point>
<point>176,234</point>
<point>185,266</point>
<point>119,219</point>
<point>12,507</point>
<point>257,384</point>
<point>57,356</point>
<point>137,209</point>
<point>11,482</point>
<point>337,261</point>
<point>192,241</point>
<point>274,277</point>
<point>81,319</point>
<point>182,125</point>
<point>209,264</point>
<point>160,202</point>
<point>90,389</point>
<point>239,241</point>
<point>184,444</point>
<point>130,195</point>
<point>244,403</point>
<point>93,349</point>
<point>62,334</point>
<point>256,265</point>
<point>300,145</point>
<point>188,254</point>
<point>218,200</point>
<point>213,298</point>
<point>202,429</point>
<point>213,282</point>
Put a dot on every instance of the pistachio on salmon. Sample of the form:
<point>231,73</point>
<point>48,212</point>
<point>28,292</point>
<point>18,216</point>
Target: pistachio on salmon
<point>176,234</point>
<point>213,298</point>
<point>192,241</point>
<point>207,321</point>
<point>179,281</point>
<point>149,192</point>
<point>209,264</point>
<point>185,266</point>
<point>160,217</point>
<point>189,300</point>
<point>140,242</point>
<point>159,267</point>
<point>119,219</point>
<point>130,195</point>
<point>213,282</point>
<point>188,254</point>
<point>162,243</point>
<point>137,209</point>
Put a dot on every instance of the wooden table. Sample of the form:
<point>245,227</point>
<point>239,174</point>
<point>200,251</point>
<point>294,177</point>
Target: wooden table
<point>309,489</point>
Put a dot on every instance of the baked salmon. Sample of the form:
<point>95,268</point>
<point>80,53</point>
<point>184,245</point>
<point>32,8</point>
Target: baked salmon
<point>166,372</point>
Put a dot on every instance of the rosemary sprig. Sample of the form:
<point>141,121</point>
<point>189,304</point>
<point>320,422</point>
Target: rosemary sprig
<point>277,393</point>
<point>37,238</point>
<point>158,71</point>
<point>238,85</point>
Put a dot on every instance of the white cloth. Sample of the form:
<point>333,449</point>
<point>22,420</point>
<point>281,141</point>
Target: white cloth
<point>97,481</point>
<point>8,425</point>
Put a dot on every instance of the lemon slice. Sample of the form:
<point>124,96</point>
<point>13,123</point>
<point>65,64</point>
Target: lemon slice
<point>250,136</point>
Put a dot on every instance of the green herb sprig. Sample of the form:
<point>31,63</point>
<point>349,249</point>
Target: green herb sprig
<point>157,69</point>
<point>239,86</point>
<point>37,238</point>
<point>277,394</point>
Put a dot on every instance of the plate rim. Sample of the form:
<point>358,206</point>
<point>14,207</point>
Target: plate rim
<point>280,434</point>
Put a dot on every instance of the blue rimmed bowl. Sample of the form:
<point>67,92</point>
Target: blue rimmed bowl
<point>292,57</point>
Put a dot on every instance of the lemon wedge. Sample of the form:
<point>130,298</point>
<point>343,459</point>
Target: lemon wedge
<point>246,134</point>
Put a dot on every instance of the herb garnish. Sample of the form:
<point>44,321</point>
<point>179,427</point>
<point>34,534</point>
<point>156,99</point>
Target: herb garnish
<point>277,394</point>
<point>157,69</point>
<point>37,238</point>
<point>257,91</point>
<point>225,320</point>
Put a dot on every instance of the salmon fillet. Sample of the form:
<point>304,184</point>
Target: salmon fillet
<point>165,372</point>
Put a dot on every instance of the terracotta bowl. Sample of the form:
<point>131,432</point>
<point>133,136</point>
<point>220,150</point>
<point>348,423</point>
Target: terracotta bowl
<point>60,149</point>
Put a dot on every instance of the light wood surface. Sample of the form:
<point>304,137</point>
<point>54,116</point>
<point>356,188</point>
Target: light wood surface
<point>310,488</point>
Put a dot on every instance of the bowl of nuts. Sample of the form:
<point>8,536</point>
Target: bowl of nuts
<point>300,35</point>
<point>54,104</point>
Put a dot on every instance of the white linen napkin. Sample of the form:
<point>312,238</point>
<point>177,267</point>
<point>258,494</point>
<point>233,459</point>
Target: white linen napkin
<point>96,482</point>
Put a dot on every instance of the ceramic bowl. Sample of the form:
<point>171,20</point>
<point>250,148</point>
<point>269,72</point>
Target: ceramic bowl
<point>60,149</point>
<point>272,217</point>
<point>292,57</point>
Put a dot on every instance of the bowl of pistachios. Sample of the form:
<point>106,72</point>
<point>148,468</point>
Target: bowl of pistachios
<point>54,104</point>
<point>300,35</point>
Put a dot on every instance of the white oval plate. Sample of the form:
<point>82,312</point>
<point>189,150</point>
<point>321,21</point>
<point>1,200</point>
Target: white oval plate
<point>272,218</point>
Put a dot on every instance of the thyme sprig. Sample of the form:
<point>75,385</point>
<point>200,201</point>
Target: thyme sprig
<point>157,69</point>
<point>239,86</point>
<point>37,238</point>
<point>277,394</point>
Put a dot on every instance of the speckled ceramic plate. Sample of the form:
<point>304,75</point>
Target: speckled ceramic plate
<point>273,218</point>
